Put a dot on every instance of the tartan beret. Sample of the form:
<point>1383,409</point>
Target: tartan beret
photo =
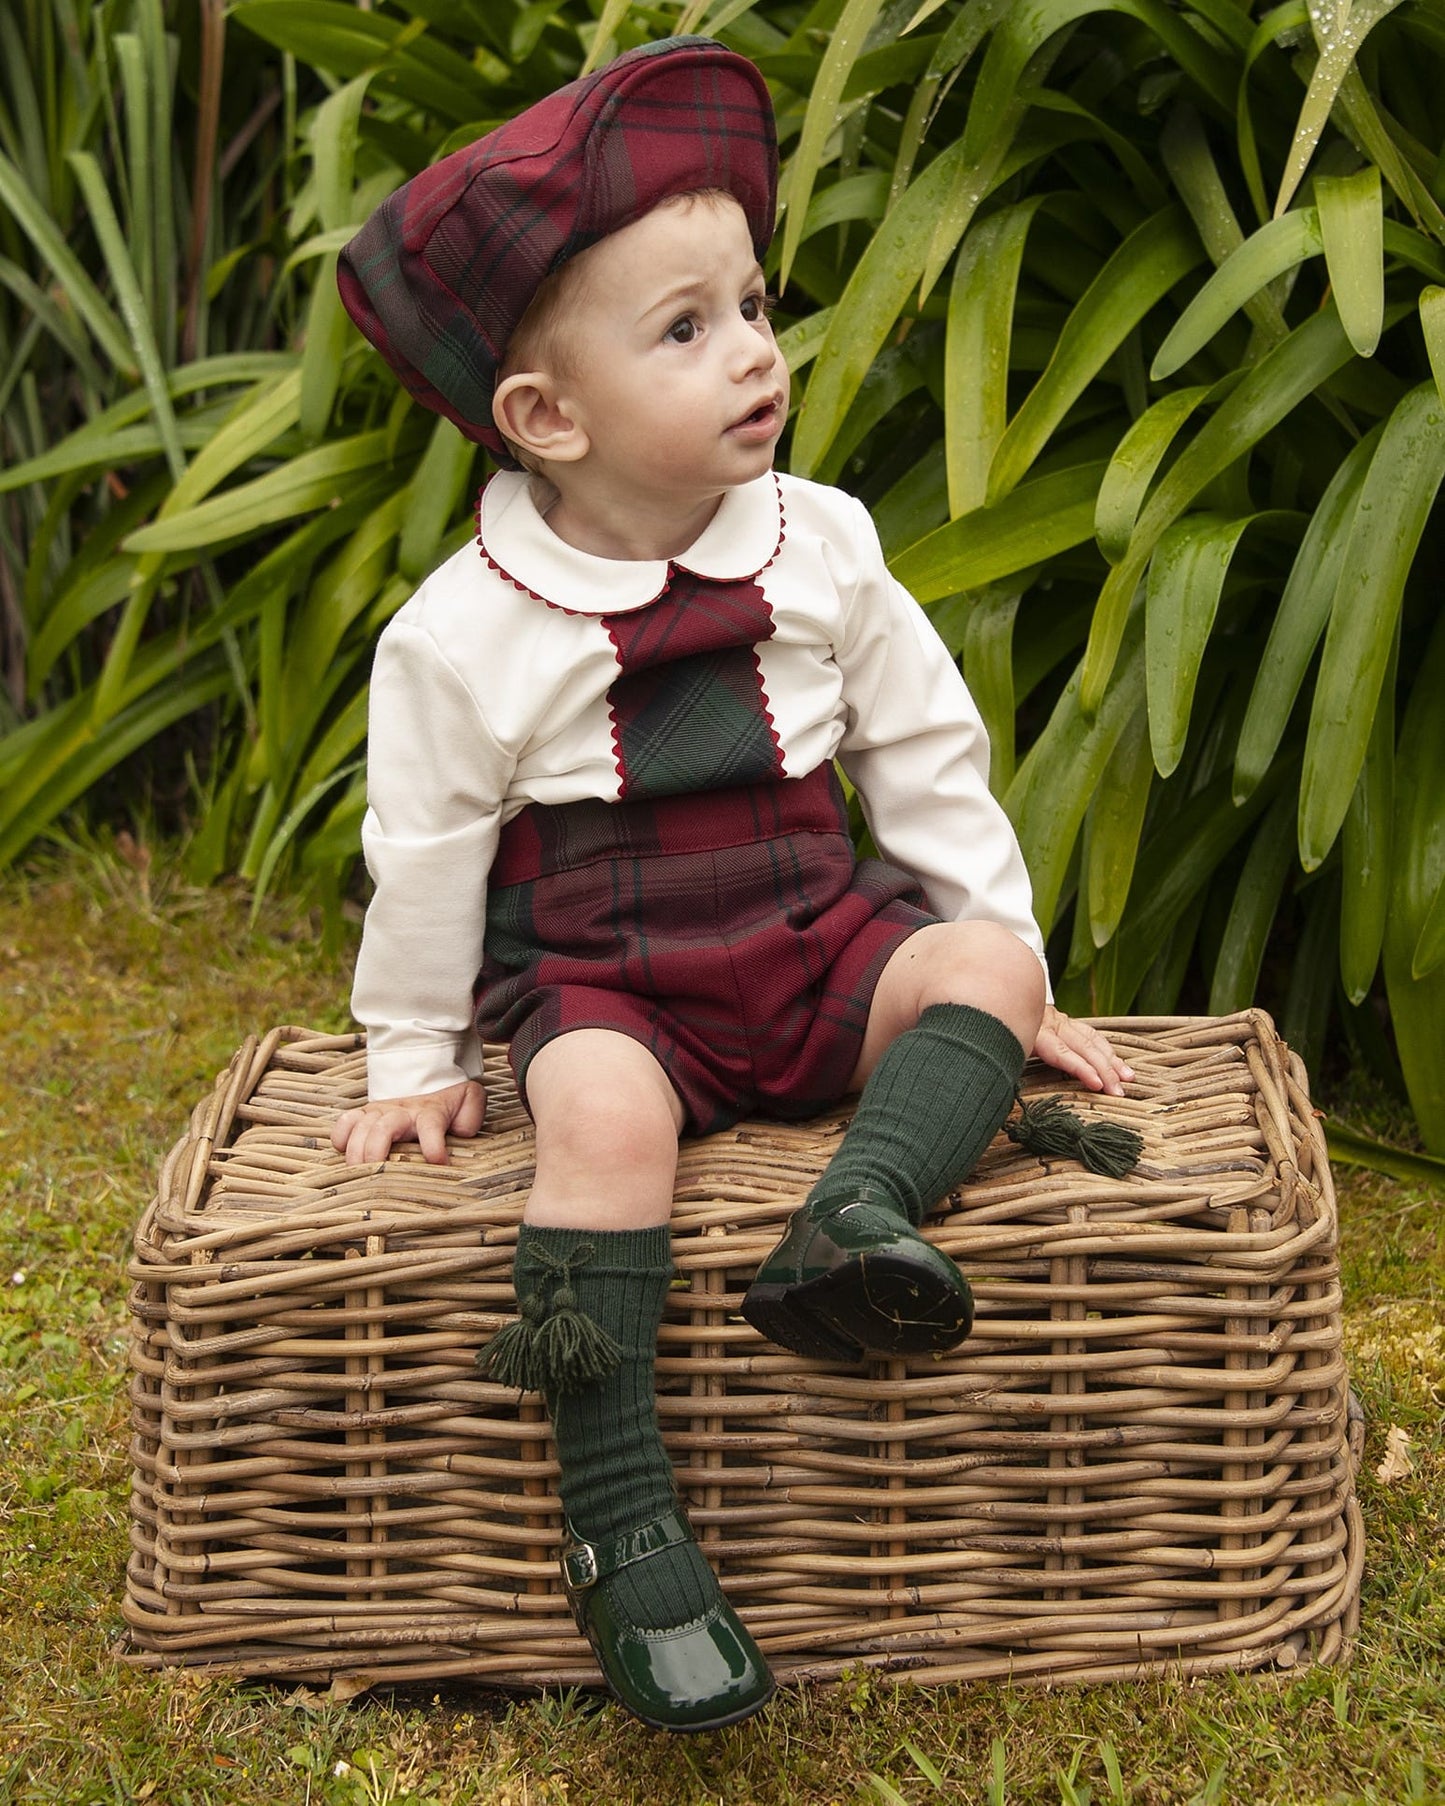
<point>440,275</point>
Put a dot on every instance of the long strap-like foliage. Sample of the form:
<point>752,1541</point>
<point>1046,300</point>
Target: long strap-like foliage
<point>1128,320</point>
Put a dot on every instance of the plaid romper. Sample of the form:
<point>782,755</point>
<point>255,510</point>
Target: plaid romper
<point>602,794</point>
<point>715,913</point>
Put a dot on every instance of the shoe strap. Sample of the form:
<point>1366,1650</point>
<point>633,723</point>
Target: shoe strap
<point>584,1563</point>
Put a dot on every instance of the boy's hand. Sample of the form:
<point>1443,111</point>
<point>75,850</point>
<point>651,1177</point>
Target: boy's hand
<point>367,1133</point>
<point>1082,1051</point>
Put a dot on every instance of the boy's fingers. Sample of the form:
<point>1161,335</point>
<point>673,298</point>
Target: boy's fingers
<point>472,1112</point>
<point>1085,1054</point>
<point>431,1134</point>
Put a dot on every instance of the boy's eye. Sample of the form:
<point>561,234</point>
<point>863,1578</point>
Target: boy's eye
<point>683,331</point>
<point>757,307</point>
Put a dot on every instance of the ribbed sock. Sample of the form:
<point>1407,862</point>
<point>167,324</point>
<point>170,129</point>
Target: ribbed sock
<point>616,1475</point>
<point>932,1105</point>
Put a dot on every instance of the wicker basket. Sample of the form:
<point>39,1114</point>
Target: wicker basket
<point>1139,1462</point>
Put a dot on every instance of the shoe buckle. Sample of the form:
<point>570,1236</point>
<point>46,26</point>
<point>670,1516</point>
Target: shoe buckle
<point>579,1567</point>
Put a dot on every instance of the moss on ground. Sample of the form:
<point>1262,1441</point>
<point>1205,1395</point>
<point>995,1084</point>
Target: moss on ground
<point>124,993</point>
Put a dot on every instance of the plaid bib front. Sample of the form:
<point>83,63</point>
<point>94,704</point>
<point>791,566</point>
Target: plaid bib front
<point>689,712</point>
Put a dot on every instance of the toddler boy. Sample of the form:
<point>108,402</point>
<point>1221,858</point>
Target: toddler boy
<point>604,824</point>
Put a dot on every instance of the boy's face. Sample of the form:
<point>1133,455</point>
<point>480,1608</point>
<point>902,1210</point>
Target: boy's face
<point>673,369</point>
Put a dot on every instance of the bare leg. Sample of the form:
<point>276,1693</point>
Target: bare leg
<point>607,1125</point>
<point>975,963</point>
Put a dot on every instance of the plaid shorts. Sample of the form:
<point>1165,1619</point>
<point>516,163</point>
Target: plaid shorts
<point>734,934</point>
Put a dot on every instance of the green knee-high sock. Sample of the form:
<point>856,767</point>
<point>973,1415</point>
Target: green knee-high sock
<point>930,1108</point>
<point>616,1474</point>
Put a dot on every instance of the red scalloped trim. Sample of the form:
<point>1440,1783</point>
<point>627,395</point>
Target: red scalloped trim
<point>782,528</point>
<point>766,707</point>
<point>616,731</point>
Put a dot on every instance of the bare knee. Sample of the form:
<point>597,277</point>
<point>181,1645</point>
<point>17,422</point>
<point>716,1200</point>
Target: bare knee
<point>988,966</point>
<point>626,1130</point>
<point>607,1126</point>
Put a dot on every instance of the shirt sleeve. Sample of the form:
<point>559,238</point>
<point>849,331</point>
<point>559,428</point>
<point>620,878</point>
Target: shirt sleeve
<point>916,750</point>
<point>436,780</point>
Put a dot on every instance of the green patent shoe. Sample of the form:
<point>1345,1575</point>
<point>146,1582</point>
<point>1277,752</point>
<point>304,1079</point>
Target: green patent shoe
<point>695,1676</point>
<point>856,1278</point>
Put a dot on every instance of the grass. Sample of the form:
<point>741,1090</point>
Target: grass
<point>125,991</point>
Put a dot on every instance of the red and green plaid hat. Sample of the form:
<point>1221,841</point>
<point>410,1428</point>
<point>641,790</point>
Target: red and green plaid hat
<point>442,272</point>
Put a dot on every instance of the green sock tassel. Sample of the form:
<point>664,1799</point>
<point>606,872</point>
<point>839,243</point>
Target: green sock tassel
<point>1051,1130</point>
<point>552,1347</point>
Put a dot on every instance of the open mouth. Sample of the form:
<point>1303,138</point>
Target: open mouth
<point>763,415</point>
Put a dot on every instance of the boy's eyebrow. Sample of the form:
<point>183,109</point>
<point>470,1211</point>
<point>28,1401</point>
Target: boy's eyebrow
<point>689,286</point>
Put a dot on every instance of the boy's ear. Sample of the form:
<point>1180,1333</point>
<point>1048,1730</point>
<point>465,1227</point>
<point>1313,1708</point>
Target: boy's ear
<point>530,410</point>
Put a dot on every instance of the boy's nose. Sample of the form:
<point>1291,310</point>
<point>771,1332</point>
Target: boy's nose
<point>754,349</point>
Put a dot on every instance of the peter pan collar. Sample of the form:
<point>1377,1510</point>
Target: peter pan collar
<point>738,542</point>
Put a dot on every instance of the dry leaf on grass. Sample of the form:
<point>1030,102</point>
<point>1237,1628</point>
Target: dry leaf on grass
<point>1397,1464</point>
<point>348,1686</point>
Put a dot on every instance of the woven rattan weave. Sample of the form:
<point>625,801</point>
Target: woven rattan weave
<point>1139,1461</point>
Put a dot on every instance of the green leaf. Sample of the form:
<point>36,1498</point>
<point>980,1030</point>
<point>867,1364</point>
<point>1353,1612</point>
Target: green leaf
<point>1417,1004</point>
<point>335,132</point>
<point>1362,122</point>
<point>132,304</point>
<point>1395,502</point>
<point>1176,864</point>
<point>1190,163</point>
<point>915,505</point>
<point>1061,773</point>
<point>1430,948</point>
<point>926,1768</point>
<point>1186,580</point>
<point>1116,819</point>
<point>1276,247</point>
<point>1144,268</point>
<point>869,307</point>
<point>988,672</point>
<point>1352,1147</point>
<point>1365,865</point>
<point>1352,226</point>
<point>327,34</point>
<point>1313,977</point>
<point>49,241</point>
<point>1263,397</point>
<point>73,610</point>
<point>925,225</point>
<point>1131,469</point>
<point>800,344</point>
<point>1432,322</point>
<point>121,449</point>
<point>1252,911</point>
<point>80,751</point>
<point>313,480</point>
<point>1039,519</point>
<point>845,44</point>
<point>254,424</point>
<point>895,375</point>
<point>1300,619</point>
<point>435,493</point>
<point>1339,32</point>
<point>286,832</point>
<point>976,359</point>
<point>351,579</point>
<point>614,13</point>
<point>328,330</point>
<point>862,196</point>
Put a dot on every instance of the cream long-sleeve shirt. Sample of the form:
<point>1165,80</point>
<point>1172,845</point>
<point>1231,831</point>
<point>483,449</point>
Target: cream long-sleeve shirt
<point>490,691</point>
